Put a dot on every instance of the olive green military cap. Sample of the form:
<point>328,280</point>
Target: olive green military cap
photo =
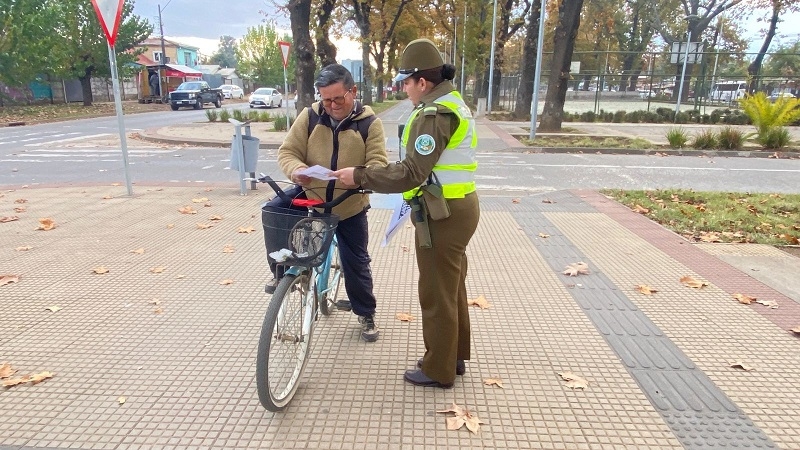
<point>419,54</point>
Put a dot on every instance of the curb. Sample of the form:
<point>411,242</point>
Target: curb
<point>659,152</point>
<point>159,139</point>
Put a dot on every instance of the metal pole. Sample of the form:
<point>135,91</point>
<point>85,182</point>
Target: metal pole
<point>463,48</point>
<point>538,70</point>
<point>163,53</point>
<point>683,75</point>
<point>455,40</point>
<point>491,58</point>
<point>286,89</point>
<point>112,58</point>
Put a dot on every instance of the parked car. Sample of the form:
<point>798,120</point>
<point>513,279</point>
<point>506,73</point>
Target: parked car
<point>646,94</point>
<point>231,91</point>
<point>776,95</point>
<point>194,94</point>
<point>266,97</point>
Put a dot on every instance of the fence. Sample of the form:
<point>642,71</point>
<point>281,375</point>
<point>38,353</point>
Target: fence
<point>64,91</point>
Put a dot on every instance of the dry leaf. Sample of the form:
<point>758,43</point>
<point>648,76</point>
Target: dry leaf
<point>121,400</point>
<point>41,376</point>
<point>645,289</point>
<point>575,269</point>
<point>771,304</point>
<point>107,197</point>
<point>54,308</point>
<point>199,200</point>
<point>405,248</point>
<point>226,282</point>
<point>796,330</point>
<point>187,210</point>
<point>23,248</point>
<point>6,370</point>
<point>544,235</point>
<point>228,249</point>
<point>463,416</point>
<point>20,201</point>
<point>515,200</point>
<point>404,317</point>
<point>180,277</point>
<point>20,209</point>
<point>493,382</point>
<point>170,226</point>
<point>8,219</point>
<point>154,301</point>
<point>547,200</point>
<point>480,302</point>
<point>207,204</point>
<point>215,218</point>
<point>640,209</point>
<point>204,226</point>
<point>8,279</point>
<point>574,381</point>
<point>15,381</point>
<point>742,366</point>
<point>692,282</point>
<point>46,224</point>
<point>138,251</point>
<point>249,229</point>
<point>100,270</point>
<point>157,269</point>
<point>158,310</point>
<point>116,184</point>
<point>744,299</point>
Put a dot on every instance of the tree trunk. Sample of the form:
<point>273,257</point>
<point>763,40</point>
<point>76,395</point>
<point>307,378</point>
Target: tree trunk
<point>300,17</point>
<point>569,14</point>
<point>755,67</point>
<point>86,88</point>
<point>326,51</point>
<point>522,107</point>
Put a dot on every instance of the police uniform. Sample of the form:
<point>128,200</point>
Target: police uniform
<point>439,138</point>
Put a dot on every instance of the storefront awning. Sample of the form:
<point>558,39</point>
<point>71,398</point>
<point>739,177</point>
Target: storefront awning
<point>179,70</point>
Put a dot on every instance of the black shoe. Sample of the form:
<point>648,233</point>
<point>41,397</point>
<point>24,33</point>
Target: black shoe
<point>343,305</point>
<point>270,287</point>
<point>369,331</point>
<point>461,367</point>
<point>416,377</point>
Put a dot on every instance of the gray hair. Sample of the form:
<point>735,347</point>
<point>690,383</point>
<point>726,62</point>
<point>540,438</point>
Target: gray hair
<point>332,74</point>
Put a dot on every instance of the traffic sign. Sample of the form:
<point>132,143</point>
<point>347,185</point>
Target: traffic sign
<point>109,12</point>
<point>285,52</point>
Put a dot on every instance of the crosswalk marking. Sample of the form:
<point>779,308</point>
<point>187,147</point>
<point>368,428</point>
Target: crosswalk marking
<point>76,138</point>
<point>82,155</point>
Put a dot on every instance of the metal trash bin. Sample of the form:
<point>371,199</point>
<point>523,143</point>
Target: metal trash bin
<point>250,153</point>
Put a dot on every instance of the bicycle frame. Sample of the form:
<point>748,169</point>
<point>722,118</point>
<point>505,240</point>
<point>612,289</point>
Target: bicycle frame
<point>324,269</point>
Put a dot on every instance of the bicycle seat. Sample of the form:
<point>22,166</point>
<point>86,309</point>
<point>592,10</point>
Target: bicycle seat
<point>306,202</point>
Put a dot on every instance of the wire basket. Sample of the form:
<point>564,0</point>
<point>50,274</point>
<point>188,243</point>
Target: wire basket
<point>308,237</point>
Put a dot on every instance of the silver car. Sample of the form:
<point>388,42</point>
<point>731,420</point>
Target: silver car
<point>266,97</point>
<point>231,91</point>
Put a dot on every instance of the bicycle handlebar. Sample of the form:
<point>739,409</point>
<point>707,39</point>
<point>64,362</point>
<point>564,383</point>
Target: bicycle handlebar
<point>331,204</point>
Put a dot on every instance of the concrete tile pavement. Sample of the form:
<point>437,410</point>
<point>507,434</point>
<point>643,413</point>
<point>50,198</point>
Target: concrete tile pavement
<point>130,373</point>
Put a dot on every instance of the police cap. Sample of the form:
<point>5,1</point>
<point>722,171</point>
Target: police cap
<point>419,54</point>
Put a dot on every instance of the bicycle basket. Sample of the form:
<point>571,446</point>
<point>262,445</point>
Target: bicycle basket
<point>307,236</point>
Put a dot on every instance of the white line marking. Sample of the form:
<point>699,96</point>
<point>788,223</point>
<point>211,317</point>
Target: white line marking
<point>89,136</point>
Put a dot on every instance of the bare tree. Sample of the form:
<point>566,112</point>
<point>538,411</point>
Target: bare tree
<point>522,107</point>
<point>326,51</point>
<point>303,50</point>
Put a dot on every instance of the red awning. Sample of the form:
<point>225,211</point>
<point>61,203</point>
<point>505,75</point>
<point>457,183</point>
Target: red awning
<point>178,70</point>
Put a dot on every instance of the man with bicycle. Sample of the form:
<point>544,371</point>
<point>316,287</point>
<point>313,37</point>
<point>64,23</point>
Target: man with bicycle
<point>338,131</point>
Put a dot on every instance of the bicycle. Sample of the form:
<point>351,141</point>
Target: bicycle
<point>310,284</point>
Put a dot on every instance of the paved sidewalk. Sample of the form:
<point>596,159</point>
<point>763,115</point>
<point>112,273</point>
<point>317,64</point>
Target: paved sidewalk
<point>133,374</point>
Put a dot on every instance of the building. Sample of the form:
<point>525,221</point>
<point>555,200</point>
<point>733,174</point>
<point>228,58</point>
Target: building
<point>176,53</point>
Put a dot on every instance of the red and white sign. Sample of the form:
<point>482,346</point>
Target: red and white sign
<point>285,52</point>
<point>109,12</point>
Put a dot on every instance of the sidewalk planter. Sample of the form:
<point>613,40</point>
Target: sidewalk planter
<point>250,145</point>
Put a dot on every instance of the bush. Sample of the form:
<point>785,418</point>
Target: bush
<point>588,116</point>
<point>239,115</point>
<point>252,115</point>
<point>211,115</point>
<point>652,117</point>
<point>280,123</point>
<point>401,95</point>
<point>224,115</point>
<point>666,113</point>
<point>682,117</point>
<point>716,116</point>
<point>730,139</point>
<point>707,139</point>
<point>265,116</point>
<point>677,137</point>
<point>774,138</point>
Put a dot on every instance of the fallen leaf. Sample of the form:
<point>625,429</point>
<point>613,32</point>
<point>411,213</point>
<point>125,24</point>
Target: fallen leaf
<point>515,200</point>
<point>480,302</point>
<point>226,282</point>
<point>574,381</point>
<point>116,184</point>
<point>157,269</point>
<point>158,310</point>
<point>199,200</point>
<point>187,210</point>
<point>547,200</point>
<point>41,376</point>
<point>744,299</point>
<point>8,219</point>
<point>6,370</point>
<point>138,251</point>
<point>404,248</point>
<point>170,226</point>
<point>107,197</point>
<point>228,249</point>
<point>575,269</point>
<point>692,282</point>
<point>796,330</point>
<point>207,204</point>
<point>121,400</point>
<point>493,382</point>
<point>215,218</point>
<point>100,270</point>
<point>404,317</point>
<point>204,226</point>
<point>180,277</point>
<point>249,229</point>
<point>640,209</point>
<point>645,289</point>
<point>15,381</point>
<point>544,235</point>
<point>771,304</point>
<point>20,209</point>
<point>46,224</point>
<point>23,248</point>
<point>154,301</point>
<point>8,279</point>
<point>742,366</point>
<point>20,201</point>
<point>463,416</point>
<point>54,308</point>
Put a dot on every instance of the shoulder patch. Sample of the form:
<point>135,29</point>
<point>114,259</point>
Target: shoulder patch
<point>425,145</point>
<point>430,110</point>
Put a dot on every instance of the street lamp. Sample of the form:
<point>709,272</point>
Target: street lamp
<point>491,58</point>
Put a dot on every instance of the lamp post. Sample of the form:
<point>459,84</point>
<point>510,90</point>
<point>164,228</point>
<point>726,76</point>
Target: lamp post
<point>690,19</point>
<point>491,58</point>
<point>463,47</point>
<point>163,49</point>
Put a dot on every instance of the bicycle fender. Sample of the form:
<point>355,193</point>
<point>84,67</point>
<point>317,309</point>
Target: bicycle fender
<point>294,270</point>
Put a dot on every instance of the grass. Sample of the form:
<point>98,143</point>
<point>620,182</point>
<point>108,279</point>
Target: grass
<point>543,140</point>
<point>384,105</point>
<point>719,216</point>
<point>63,111</point>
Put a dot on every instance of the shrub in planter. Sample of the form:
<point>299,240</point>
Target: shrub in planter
<point>239,115</point>
<point>280,123</point>
<point>619,117</point>
<point>682,117</point>
<point>224,115</point>
<point>730,139</point>
<point>677,137</point>
<point>775,138</point>
<point>211,115</point>
<point>707,139</point>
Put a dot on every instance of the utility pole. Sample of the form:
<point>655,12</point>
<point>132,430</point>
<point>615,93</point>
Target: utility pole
<point>163,51</point>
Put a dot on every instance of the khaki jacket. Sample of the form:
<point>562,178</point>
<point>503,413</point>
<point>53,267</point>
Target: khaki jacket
<point>334,149</point>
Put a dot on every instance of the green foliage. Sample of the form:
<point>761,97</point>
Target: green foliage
<point>211,115</point>
<point>224,115</point>
<point>706,139</point>
<point>280,123</point>
<point>265,116</point>
<point>730,138</point>
<point>774,138</point>
<point>259,56</point>
<point>677,137</point>
<point>401,95</point>
<point>253,115</point>
<point>226,54</point>
<point>25,40</point>
<point>239,115</point>
<point>767,116</point>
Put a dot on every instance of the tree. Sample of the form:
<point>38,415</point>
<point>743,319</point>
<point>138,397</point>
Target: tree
<point>785,62</point>
<point>303,51</point>
<point>522,107</point>
<point>569,19</point>
<point>225,55</point>
<point>777,7</point>
<point>25,40</point>
<point>511,17</point>
<point>260,57</point>
<point>82,51</point>
<point>326,51</point>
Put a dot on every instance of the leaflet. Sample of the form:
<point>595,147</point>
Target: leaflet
<point>318,172</point>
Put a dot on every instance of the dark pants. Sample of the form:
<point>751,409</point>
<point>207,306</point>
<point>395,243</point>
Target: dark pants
<point>353,237</point>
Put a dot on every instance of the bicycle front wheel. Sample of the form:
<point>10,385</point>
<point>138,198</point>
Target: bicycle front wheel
<point>328,292</point>
<point>285,342</point>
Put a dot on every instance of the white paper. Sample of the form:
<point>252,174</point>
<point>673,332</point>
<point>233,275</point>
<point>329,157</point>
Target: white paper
<point>281,255</point>
<point>402,211</point>
<point>317,172</point>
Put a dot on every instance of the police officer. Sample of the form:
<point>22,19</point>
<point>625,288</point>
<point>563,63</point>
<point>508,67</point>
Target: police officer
<point>440,142</point>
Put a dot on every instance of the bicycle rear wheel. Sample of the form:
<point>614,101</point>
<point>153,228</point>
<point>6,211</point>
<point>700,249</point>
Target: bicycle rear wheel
<point>285,342</point>
<point>329,291</point>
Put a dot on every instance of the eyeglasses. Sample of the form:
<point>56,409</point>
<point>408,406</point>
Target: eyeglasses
<point>339,101</point>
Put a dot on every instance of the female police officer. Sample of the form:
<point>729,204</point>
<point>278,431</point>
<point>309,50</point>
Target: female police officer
<point>440,141</point>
